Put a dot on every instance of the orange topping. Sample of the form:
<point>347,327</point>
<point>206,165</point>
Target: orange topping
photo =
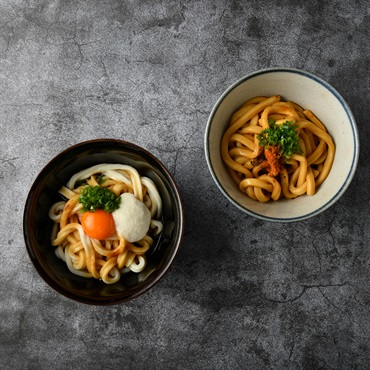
<point>99,224</point>
<point>272,163</point>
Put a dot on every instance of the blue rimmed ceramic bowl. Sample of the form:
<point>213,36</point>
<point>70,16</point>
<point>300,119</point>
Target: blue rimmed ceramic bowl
<point>312,93</point>
<point>37,225</point>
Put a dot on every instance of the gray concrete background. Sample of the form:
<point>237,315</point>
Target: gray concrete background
<point>243,293</point>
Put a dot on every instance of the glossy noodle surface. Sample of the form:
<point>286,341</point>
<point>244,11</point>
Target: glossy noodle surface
<point>264,172</point>
<point>109,258</point>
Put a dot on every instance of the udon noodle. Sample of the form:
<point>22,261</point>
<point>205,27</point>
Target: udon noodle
<point>103,259</point>
<point>246,159</point>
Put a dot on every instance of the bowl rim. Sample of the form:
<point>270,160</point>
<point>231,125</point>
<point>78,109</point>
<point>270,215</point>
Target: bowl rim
<point>37,263</point>
<point>346,108</point>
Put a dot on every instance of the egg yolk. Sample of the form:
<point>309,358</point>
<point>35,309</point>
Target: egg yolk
<point>99,224</point>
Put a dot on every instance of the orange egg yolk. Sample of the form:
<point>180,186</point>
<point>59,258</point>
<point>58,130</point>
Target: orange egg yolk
<point>99,224</point>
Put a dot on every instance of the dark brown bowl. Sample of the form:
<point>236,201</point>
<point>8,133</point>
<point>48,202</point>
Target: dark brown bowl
<point>37,225</point>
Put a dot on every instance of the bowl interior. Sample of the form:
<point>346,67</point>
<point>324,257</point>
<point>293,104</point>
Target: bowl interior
<point>311,93</point>
<point>37,225</point>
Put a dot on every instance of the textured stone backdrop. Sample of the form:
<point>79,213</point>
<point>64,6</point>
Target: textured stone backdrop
<point>242,293</point>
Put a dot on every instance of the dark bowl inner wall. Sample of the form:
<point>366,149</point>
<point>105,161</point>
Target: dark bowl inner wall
<point>37,225</point>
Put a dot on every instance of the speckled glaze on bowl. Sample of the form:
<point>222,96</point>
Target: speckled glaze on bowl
<point>310,92</point>
<point>37,225</point>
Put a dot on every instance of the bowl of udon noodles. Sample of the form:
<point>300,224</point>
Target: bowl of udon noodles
<point>103,222</point>
<point>281,144</point>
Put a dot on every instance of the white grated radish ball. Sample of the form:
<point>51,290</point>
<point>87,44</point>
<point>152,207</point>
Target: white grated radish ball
<point>132,218</point>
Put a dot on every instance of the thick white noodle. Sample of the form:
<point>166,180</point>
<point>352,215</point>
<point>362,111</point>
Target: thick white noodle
<point>68,193</point>
<point>135,180</point>
<point>69,263</point>
<point>100,168</point>
<point>55,211</point>
<point>156,224</point>
<point>119,172</point>
<point>118,176</point>
<point>113,276</point>
<point>154,195</point>
<point>138,267</point>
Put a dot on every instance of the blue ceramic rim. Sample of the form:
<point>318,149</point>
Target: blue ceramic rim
<point>346,108</point>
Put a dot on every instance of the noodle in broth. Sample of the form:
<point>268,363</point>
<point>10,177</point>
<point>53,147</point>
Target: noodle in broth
<point>104,259</point>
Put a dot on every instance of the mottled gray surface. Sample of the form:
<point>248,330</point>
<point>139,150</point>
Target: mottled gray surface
<point>243,293</point>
